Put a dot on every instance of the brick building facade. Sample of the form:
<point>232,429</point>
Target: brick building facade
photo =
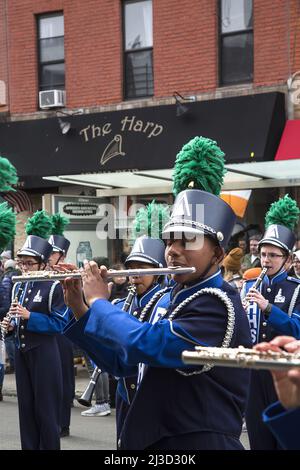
<point>185,49</point>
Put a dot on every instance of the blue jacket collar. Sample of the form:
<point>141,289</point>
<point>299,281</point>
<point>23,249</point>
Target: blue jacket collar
<point>279,277</point>
<point>142,301</point>
<point>215,280</point>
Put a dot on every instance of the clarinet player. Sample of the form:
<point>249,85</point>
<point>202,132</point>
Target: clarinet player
<point>42,315</point>
<point>273,309</point>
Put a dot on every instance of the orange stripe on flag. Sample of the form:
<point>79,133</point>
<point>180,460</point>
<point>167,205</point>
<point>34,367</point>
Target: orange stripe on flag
<point>238,200</point>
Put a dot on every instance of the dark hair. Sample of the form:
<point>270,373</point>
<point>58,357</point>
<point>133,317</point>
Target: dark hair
<point>101,261</point>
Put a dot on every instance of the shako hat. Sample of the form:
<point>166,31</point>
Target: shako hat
<point>36,246</point>
<point>148,250</point>
<point>281,220</point>
<point>200,165</point>
<point>60,244</point>
<point>147,228</point>
<point>38,229</point>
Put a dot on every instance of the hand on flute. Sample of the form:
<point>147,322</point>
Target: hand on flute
<point>72,289</point>
<point>287,382</point>
<point>94,282</point>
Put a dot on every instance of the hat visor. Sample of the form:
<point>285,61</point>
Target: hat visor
<point>140,259</point>
<point>56,250</point>
<point>28,253</point>
<point>181,230</point>
<point>274,242</point>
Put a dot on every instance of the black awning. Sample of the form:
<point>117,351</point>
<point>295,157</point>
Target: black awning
<point>247,128</point>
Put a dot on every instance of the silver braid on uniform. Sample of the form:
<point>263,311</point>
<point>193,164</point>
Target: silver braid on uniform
<point>230,320</point>
<point>151,302</point>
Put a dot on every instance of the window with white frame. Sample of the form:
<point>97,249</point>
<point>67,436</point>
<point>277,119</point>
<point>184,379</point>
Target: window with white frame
<point>236,41</point>
<point>138,48</point>
<point>51,51</point>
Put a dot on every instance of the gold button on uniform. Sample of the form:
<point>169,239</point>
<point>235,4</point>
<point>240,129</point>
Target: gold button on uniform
<point>132,386</point>
<point>264,336</point>
<point>22,345</point>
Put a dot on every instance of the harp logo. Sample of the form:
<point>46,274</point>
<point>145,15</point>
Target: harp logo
<point>113,149</point>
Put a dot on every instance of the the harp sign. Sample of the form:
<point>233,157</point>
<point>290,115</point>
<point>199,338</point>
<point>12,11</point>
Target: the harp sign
<point>113,149</point>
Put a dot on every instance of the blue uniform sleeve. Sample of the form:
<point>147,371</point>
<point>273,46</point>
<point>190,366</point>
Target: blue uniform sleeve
<point>284,424</point>
<point>158,344</point>
<point>55,321</point>
<point>106,359</point>
<point>284,324</point>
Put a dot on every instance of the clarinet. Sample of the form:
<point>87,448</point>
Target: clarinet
<point>257,283</point>
<point>86,397</point>
<point>9,315</point>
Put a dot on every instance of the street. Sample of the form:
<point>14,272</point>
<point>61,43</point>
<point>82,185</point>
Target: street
<point>86,433</point>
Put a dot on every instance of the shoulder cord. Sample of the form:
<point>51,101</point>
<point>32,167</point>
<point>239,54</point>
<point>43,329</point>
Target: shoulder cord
<point>230,321</point>
<point>293,301</point>
<point>150,304</point>
<point>51,292</point>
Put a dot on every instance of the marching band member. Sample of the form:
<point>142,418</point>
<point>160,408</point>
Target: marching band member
<point>60,247</point>
<point>273,309</point>
<point>145,253</point>
<point>41,315</point>
<point>177,406</point>
<point>283,417</point>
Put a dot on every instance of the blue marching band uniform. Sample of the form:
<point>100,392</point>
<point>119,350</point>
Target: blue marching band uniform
<point>283,318</point>
<point>150,251</point>
<point>176,406</point>
<point>61,245</point>
<point>38,364</point>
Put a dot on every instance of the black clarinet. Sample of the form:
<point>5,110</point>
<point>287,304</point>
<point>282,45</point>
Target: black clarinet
<point>86,397</point>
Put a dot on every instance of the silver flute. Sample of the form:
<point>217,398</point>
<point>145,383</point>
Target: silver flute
<point>241,357</point>
<point>60,276</point>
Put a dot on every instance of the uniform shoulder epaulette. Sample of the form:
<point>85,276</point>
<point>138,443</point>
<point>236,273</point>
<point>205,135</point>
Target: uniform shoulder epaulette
<point>293,279</point>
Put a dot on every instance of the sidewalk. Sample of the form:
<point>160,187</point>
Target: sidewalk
<point>81,382</point>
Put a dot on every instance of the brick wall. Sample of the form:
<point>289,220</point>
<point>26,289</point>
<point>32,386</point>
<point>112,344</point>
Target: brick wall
<point>185,48</point>
<point>3,58</point>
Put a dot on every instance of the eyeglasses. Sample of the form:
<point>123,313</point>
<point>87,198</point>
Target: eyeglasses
<point>271,255</point>
<point>29,264</point>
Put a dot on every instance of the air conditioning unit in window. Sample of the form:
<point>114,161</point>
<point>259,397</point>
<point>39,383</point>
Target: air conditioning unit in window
<point>52,99</point>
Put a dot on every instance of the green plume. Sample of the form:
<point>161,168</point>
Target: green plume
<point>39,224</point>
<point>8,175</point>
<point>7,225</point>
<point>150,220</point>
<point>200,162</point>
<point>283,212</point>
<point>59,222</point>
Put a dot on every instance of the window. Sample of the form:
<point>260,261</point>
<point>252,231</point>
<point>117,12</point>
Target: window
<point>138,46</point>
<point>236,41</point>
<point>51,52</point>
